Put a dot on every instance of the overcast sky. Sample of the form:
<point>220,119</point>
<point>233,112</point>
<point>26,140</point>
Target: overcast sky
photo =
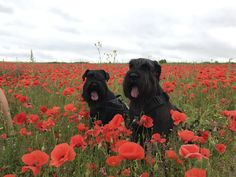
<point>66,30</point>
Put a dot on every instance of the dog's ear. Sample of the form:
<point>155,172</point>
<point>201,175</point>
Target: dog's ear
<point>85,74</point>
<point>105,74</point>
<point>157,69</point>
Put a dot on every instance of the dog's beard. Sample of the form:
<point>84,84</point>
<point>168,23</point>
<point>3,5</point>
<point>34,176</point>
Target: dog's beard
<point>140,89</point>
<point>94,91</point>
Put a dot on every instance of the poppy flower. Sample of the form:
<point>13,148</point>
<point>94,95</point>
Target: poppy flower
<point>9,175</point>
<point>145,174</point>
<point>131,151</point>
<point>82,127</point>
<point>52,112</point>
<point>178,117</point>
<point>116,121</point>
<point>170,154</point>
<point>205,152</point>
<point>195,172</point>
<point>33,118</point>
<point>61,154</point>
<point>190,151</point>
<point>231,114</point>
<point>186,135</point>
<point>20,118</point>
<point>146,121</point>
<point>84,114</point>
<point>114,161</point>
<point>23,132</point>
<point>126,172</point>
<point>3,136</point>
<point>70,107</point>
<point>232,125</point>
<point>117,145</point>
<point>220,148</point>
<point>43,109</point>
<point>68,91</point>
<point>78,141</point>
<point>34,160</point>
<point>156,137</point>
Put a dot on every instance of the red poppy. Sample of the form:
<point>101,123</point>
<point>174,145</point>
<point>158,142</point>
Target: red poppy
<point>82,127</point>
<point>170,154</point>
<point>116,121</point>
<point>232,125</point>
<point>114,161</point>
<point>231,114</point>
<point>70,107</point>
<point>131,151</point>
<point>78,141</point>
<point>205,152</point>
<point>145,174</point>
<point>47,124</point>
<point>204,136</point>
<point>195,172</point>
<point>20,118</point>
<point>61,154</point>
<point>43,109</point>
<point>9,175</point>
<point>3,136</point>
<point>146,121</point>
<point>84,114</point>
<point>168,87</point>
<point>157,138</point>
<point>190,151</point>
<point>178,117</point>
<point>33,118</point>
<point>52,112</point>
<point>187,136</point>
<point>68,91</point>
<point>126,172</point>
<point>220,148</point>
<point>23,132</point>
<point>34,160</point>
<point>117,145</point>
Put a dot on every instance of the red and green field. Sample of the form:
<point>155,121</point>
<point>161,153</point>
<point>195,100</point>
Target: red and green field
<point>51,135</point>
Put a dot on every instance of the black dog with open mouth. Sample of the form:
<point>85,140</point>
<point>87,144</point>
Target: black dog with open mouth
<point>103,104</point>
<point>141,86</point>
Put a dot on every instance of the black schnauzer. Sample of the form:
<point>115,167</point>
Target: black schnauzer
<point>141,86</point>
<point>103,104</point>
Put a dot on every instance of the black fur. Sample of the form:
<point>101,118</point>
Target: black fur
<point>152,101</point>
<point>106,105</point>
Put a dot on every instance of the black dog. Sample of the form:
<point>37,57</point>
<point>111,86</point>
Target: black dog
<point>103,104</point>
<point>141,86</point>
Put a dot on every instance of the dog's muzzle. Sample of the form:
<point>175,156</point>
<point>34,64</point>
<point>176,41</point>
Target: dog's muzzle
<point>93,91</point>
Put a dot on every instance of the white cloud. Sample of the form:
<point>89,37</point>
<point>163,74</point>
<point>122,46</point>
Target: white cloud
<point>64,30</point>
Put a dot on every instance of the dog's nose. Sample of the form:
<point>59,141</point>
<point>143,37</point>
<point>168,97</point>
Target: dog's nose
<point>133,75</point>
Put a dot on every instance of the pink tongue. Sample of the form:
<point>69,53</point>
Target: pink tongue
<point>94,96</point>
<point>134,92</point>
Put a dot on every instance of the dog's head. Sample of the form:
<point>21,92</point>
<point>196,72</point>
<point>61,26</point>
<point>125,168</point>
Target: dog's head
<point>142,79</point>
<point>95,86</point>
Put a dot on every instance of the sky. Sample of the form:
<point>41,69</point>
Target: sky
<point>67,30</point>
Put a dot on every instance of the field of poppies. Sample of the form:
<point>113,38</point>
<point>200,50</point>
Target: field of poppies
<point>51,134</point>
